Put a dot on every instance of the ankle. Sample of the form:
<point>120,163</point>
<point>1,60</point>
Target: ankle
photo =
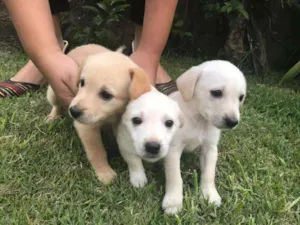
<point>162,79</point>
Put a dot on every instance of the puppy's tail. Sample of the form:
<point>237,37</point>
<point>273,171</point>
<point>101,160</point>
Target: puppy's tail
<point>121,49</point>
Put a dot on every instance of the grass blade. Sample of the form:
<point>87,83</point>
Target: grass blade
<point>292,73</point>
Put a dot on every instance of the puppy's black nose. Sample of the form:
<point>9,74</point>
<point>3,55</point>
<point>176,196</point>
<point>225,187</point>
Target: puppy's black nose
<point>75,112</point>
<point>231,122</point>
<point>152,147</point>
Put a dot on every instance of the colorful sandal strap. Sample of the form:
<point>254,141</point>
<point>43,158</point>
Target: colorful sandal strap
<point>167,88</point>
<point>13,88</point>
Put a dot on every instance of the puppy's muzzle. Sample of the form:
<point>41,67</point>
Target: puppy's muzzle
<point>152,147</point>
<point>230,122</point>
<point>75,112</point>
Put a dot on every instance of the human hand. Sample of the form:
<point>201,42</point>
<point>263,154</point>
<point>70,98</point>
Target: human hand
<point>147,62</point>
<point>62,74</point>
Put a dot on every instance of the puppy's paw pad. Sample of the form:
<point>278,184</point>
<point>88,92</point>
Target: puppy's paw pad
<point>138,179</point>
<point>172,204</point>
<point>212,195</point>
<point>106,176</point>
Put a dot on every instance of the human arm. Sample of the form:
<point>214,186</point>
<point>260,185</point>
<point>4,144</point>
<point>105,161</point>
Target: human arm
<point>33,23</point>
<point>158,20</point>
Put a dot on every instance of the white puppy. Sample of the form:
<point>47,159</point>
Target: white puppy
<point>146,130</point>
<point>209,96</point>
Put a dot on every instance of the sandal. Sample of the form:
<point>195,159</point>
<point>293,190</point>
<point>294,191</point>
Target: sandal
<point>16,88</point>
<point>165,88</point>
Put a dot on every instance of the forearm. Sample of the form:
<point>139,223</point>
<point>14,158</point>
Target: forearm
<point>158,20</point>
<point>33,22</point>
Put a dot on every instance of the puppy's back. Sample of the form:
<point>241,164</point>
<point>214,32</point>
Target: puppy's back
<point>79,54</point>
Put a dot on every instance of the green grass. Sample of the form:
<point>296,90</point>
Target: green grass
<point>45,177</point>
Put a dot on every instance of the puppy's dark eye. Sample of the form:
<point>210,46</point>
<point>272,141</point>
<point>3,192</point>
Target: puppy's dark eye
<point>82,82</point>
<point>241,98</point>
<point>169,123</point>
<point>105,95</point>
<point>216,93</point>
<point>136,120</point>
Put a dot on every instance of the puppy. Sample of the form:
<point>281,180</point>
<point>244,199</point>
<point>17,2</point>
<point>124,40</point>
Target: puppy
<point>210,96</point>
<point>146,130</point>
<point>106,80</point>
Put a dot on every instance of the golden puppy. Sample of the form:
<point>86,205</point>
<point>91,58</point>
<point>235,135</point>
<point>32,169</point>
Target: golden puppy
<point>106,81</point>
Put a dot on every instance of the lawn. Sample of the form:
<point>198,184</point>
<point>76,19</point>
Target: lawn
<point>45,177</point>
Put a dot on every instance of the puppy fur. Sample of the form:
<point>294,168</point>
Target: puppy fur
<point>210,96</point>
<point>146,130</point>
<point>106,80</point>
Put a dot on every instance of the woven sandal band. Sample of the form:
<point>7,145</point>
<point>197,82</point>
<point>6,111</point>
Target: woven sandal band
<point>12,88</point>
<point>167,88</point>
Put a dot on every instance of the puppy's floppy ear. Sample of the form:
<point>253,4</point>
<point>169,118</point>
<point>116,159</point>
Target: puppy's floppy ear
<point>186,83</point>
<point>140,83</point>
<point>80,67</point>
<point>181,119</point>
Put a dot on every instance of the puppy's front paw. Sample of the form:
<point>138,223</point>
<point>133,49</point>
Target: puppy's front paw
<point>212,195</point>
<point>106,175</point>
<point>172,203</point>
<point>138,179</point>
<point>54,114</point>
<point>51,118</point>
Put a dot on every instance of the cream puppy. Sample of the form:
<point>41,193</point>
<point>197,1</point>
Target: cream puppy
<point>146,130</point>
<point>106,80</point>
<point>210,96</point>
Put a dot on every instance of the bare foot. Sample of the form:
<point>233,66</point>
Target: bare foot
<point>162,75</point>
<point>30,74</point>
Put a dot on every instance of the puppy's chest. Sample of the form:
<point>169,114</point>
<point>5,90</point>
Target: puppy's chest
<point>194,138</point>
